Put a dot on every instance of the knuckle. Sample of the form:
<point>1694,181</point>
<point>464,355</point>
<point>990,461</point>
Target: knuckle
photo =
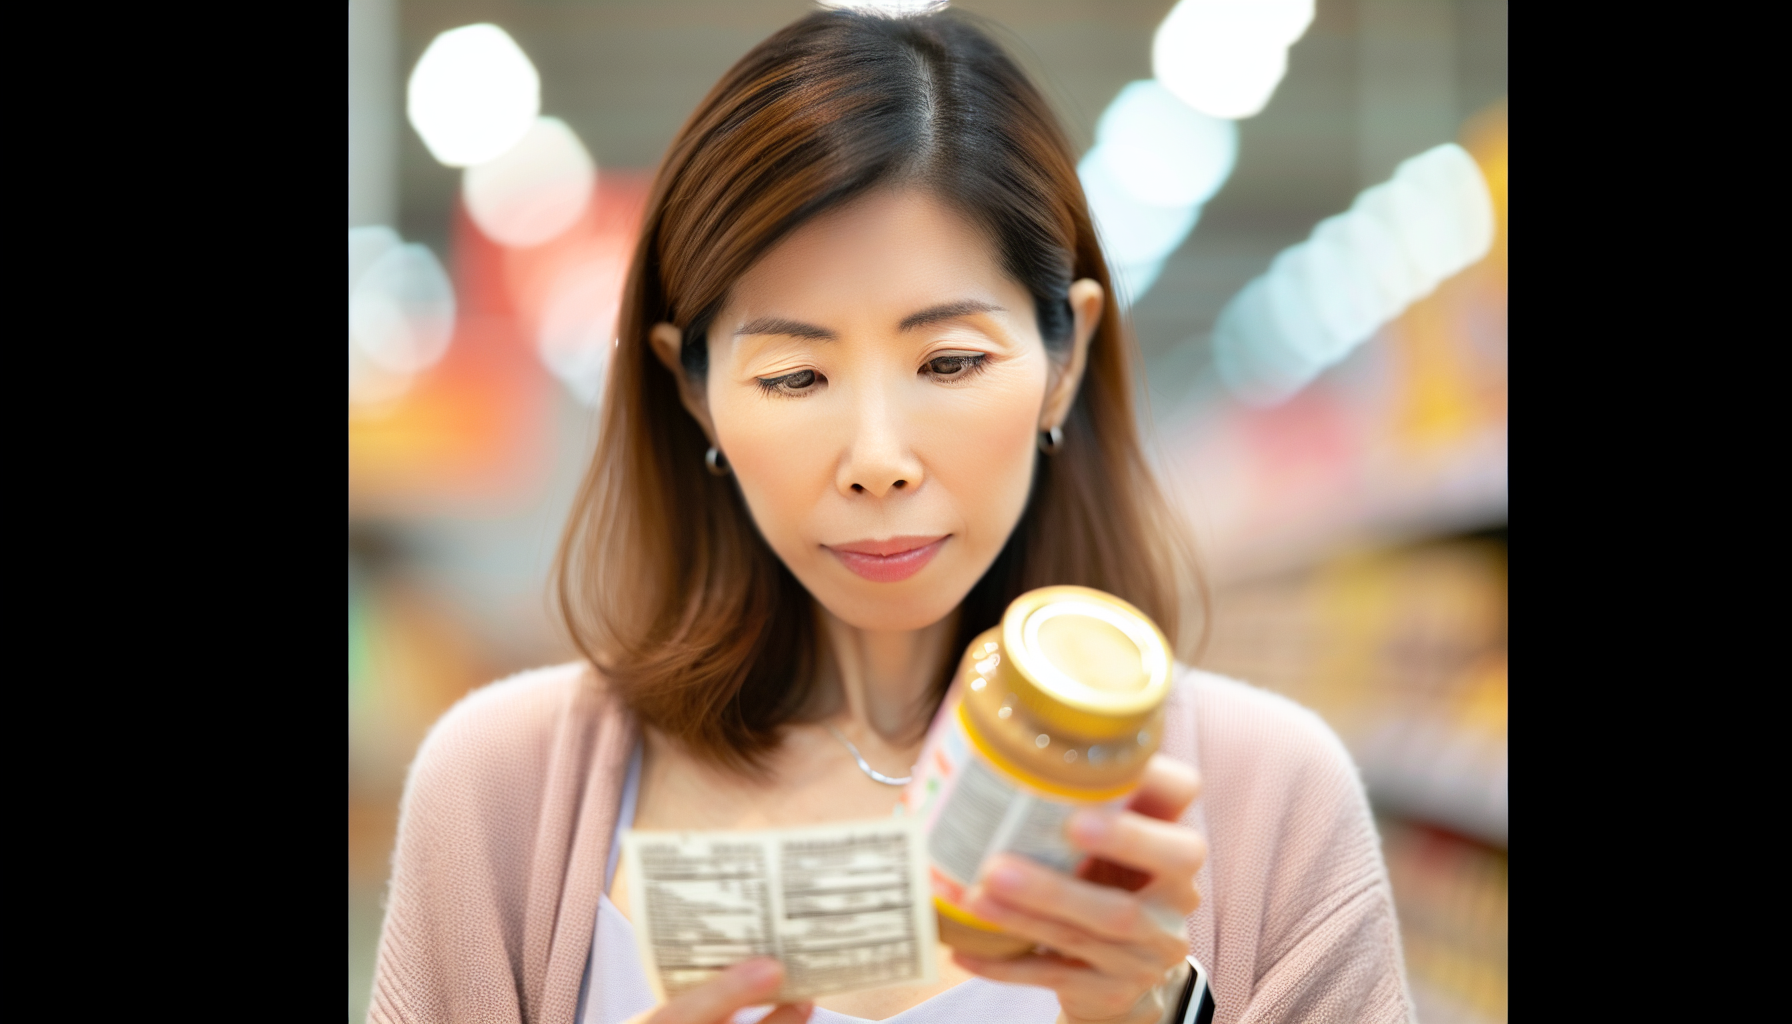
<point>1193,853</point>
<point>1124,917</point>
<point>1185,899</point>
<point>1173,949</point>
<point>1117,1003</point>
<point>1067,940</point>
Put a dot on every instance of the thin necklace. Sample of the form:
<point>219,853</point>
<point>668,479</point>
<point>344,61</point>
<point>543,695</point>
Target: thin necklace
<point>872,773</point>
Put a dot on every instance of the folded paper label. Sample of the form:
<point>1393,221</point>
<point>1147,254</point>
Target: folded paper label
<point>843,907</point>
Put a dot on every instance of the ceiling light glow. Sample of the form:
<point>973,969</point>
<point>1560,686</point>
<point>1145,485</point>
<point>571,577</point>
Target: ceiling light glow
<point>473,95</point>
<point>369,386</point>
<point>889,8</point>
<point>1132,232</point>
<point>578,324</point>
<point>401,310</point>
<point>1225,57</point>
<point>1162,151</point>
<point>1356,272</point>
<point>535,191</point>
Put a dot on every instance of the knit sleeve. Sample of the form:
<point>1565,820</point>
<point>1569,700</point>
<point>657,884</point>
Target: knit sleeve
<point>452,944</point>
<point>1304,914</point>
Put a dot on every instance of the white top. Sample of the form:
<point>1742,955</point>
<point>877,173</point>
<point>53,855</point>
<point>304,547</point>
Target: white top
<point>615,986</point>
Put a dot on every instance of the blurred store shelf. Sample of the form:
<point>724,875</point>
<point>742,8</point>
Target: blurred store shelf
<point>1404,651</point>
<point>1402,441</point>
<point>1451,897</point>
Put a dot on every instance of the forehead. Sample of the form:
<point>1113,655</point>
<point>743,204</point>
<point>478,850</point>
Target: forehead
<point>892,249</point>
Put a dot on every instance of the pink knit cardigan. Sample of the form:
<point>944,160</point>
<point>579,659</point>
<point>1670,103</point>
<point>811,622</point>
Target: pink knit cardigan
<point>507,816</point>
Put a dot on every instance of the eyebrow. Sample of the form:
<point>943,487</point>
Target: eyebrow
<point>930,315</point>
<point>779,325</point>
<point>946,311</point>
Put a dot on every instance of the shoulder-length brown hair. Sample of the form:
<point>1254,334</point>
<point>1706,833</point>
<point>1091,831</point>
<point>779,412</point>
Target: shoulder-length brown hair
<point>663,580</point>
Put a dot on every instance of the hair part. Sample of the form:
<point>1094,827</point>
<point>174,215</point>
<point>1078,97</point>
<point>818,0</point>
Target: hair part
<point>663,580</point>
<point>893,102</point>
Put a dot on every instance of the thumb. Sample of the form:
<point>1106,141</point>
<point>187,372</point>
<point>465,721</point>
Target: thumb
<point>748,983</point>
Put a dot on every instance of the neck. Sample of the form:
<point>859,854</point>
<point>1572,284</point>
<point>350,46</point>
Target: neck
<point>884,678</point>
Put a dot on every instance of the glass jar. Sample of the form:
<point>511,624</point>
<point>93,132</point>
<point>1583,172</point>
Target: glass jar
<point>1057,708</point>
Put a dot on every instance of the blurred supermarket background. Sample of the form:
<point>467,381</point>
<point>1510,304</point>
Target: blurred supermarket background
<point>1307,204</point>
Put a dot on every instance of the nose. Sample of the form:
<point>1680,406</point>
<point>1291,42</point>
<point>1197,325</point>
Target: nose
<point>879,460</point>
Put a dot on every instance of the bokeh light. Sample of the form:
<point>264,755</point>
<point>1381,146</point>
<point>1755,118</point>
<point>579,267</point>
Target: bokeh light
<point>536,190</point>
<point>1357,271</point>
<point>401,309</point>
<point>365,246</point>
<point>1163,147</point>
<point>578,322</point>
<point>1135,235</point>
<point>473,95</point>
<point>1161,150</point>
<point>370,386</point>
<point>1226,57</point>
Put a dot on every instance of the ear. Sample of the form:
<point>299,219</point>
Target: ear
<point>1086,300</point>
<point>668,345</point>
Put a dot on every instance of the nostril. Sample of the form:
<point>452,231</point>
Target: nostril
<point>858,488</point>
<point>900,484</point>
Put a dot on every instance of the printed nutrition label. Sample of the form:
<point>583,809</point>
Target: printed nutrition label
<point>985,814</point>
<point>842,906</point>
<point>976,811</point>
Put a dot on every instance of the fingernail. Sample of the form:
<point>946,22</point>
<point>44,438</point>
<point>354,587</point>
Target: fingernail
<point>1004,878</point>
<point>979,902</point>
<point>761,972</point>
<point>1091,827</point>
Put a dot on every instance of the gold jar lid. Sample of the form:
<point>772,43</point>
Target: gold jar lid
<point>1084,661</point>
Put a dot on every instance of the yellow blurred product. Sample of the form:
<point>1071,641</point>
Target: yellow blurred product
<point>1057,708</point>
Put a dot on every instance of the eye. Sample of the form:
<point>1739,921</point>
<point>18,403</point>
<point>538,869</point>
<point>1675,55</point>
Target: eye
<point>791,383</point>
<point>954,367</point>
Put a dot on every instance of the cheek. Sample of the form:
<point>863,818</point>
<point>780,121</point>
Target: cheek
<point>979,448</point>
<point>775,448</point>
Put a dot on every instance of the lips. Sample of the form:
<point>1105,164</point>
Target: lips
<point>888,561</point>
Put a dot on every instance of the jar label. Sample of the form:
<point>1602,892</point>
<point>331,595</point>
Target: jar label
<point>971,810</point>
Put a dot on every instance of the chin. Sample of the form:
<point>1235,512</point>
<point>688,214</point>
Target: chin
<point>899,608</point>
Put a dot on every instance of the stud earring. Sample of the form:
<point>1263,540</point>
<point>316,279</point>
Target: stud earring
<point>1051,440</point>
<point>716,463</point>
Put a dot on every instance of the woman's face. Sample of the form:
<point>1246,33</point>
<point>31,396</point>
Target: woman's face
<point>878,384</point>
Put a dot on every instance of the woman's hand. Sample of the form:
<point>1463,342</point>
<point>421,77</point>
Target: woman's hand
<point>749,983</point>
<point>1109,948</point>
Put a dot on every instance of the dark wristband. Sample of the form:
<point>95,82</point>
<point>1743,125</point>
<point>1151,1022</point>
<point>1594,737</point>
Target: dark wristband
<point>1195,1005</point>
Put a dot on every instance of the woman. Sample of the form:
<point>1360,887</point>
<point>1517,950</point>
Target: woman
<point>869,386</point>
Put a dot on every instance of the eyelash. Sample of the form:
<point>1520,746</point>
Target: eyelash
<point>788,386</point>
<point>781,385</point>
<point>974,363</point>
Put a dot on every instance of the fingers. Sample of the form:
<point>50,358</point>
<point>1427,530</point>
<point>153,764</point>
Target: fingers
<point>748,983</point>
<point>1017,884</point>
<point>1170,854</point>
<point>1046,972</point>
<point>1167,789</point>
<point>1131,965</point>
<point>1113,930</point>
<point>789,1013</point>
